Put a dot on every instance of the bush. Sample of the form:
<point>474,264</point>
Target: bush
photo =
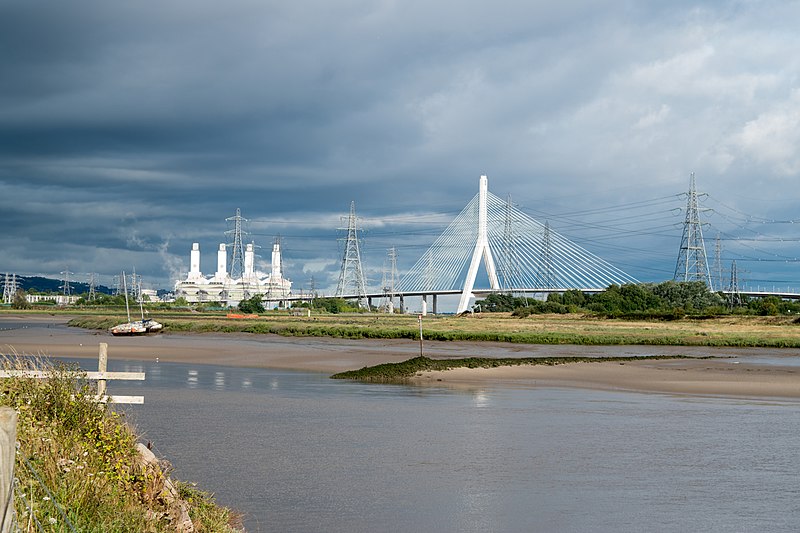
<point>85,455</point>
<point>252,305</point>
<point>20,302</point>
<point>334,305</point>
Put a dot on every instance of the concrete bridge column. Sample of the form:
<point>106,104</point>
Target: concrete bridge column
<point>435,297</point>
<point>402,305</point>
<point>369,302</point>
<point>424,305</point>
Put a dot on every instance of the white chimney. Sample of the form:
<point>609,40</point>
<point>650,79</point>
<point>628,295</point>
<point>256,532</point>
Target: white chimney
<point>194,262</point>
<point>276,261</point>
<point>222,262</point>
<point>249,258</point>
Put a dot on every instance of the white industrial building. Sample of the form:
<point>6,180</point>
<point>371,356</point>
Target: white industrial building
<point>221,287</point>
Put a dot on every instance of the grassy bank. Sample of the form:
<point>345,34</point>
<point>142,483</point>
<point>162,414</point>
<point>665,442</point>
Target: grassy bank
<point>399,372</point>
<point>78,464</point>
<point>729,331</point>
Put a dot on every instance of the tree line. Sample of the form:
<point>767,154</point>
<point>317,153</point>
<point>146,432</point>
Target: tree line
<point>666,300</point>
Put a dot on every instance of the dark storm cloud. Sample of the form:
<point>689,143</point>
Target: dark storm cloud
<point>127,132</point>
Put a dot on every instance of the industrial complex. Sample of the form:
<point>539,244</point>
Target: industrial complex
<point>242,281</point>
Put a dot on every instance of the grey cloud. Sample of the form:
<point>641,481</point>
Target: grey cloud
<point>129,131</point>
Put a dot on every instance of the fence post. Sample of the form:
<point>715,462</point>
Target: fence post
<point>102,366</point>
<point>8,455</point>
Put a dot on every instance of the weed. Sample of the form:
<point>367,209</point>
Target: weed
<point>79,457</point>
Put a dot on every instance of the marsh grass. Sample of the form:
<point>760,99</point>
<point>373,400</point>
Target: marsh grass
<point>81,455</point>
<point>741,331</point>
<point>402,371</point>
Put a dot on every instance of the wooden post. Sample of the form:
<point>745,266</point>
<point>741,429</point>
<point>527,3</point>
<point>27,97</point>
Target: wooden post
<point>102,366</point>
<point>8,455</point>
<point>419,317</point>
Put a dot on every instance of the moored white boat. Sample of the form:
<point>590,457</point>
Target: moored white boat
<point>128,329</point>
<point>151,325</point>
<point>138,327</point>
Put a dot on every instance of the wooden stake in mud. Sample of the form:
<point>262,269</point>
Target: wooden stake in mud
<point>419,317</point>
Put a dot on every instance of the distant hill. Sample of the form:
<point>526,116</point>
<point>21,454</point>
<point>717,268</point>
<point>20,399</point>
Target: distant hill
<point>47,285</point>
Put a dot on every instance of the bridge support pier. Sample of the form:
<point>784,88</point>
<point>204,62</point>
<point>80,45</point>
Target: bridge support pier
<point>482,250</point>
<point>369,303</point>
<point>402,305</point>
<point>424,305</point>
<point>435,298</point>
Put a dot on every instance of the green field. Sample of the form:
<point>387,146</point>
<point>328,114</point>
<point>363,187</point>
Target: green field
<point>739,330</point>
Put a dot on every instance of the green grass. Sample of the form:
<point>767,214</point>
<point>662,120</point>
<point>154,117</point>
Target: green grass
<point>402,371</point>
<point>84,454</point>
<point>774,332</point>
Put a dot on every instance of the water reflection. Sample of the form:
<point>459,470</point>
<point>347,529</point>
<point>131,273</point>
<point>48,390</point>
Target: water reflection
<point>219,380</point>
<point>481,398</point>
<point>191,380</point>
<point>300,452</point>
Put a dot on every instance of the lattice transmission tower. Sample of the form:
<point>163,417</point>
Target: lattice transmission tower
<point>508,271</point>
<point>389,279</point>
<point>692,262</point>
<point>718,282</point>
<point>237,246</point>
<point>351,277</point>
<point>92,287</point>
<point>734,297</point>
<point>136,287</point>
<point>9,288</point>
<point>66,288</point>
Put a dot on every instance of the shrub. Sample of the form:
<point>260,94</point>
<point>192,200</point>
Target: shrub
<point>80,455</point>
<point>252,305</point>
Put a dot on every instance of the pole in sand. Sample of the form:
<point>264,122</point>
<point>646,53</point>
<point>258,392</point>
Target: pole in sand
<point>419,317</point>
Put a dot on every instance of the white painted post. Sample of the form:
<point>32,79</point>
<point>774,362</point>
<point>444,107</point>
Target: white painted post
<point>8,455</point>
<point>102,366</point>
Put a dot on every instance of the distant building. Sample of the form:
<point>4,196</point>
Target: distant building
<point>150,295</point>
<point>222,288</point>
<point>58,299</point>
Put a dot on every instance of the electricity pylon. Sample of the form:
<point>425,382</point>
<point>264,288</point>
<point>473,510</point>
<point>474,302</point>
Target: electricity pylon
<point>389,278</point>
<point>351,276</point>
<point>509,265</point>
<point>717,264</point>
<point>734,297</point>
<point>65,287</point>
<point>692,262</point>
<point>9,288</point>
<point>92,287</point>
<point>237,246</point>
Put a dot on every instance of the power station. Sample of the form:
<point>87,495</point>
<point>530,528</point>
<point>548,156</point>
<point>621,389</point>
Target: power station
<point>223,287</point>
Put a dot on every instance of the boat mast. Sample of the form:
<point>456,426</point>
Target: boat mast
<point>125,288</point>
<point>138,291</point>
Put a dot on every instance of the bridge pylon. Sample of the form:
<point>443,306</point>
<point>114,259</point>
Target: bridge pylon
<point>482,250</point>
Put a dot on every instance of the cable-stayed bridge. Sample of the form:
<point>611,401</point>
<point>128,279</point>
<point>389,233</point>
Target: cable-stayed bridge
<point>518,253</point>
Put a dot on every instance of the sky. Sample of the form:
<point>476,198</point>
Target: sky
<point>130,130</point>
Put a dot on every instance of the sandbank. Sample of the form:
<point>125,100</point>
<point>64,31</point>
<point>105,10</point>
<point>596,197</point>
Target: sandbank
<point>702,377</point>
<point>754,373</point>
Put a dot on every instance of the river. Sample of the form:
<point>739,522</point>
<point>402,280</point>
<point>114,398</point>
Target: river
<point>297,451</point>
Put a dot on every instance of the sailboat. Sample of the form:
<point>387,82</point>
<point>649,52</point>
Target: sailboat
<point>129,327</point>
<point>150,325</point>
